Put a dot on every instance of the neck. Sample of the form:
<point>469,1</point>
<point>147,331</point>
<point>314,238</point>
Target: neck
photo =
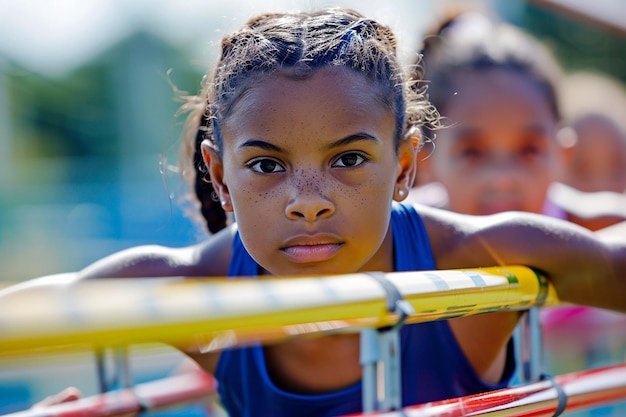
<point>383,259</point>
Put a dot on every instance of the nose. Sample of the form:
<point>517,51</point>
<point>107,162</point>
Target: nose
<point>504,174</point>
<point>308,200</point>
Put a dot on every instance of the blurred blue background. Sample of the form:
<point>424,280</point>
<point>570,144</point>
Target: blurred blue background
<point>88,133</point>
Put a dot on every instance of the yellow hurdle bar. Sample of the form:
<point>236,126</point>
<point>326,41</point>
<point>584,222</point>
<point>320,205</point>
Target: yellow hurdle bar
<point>212,314</point>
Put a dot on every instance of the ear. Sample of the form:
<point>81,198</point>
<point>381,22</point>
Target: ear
<point>213,161</point>
<point>423,170</point>
<point>407,152</point>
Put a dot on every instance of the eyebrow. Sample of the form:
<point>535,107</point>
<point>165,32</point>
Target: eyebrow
<point>353,138</point>
<point>531,127</point>
<point>258,143</point>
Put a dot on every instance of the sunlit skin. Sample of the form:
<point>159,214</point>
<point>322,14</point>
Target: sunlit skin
<point>310,170</point>
<point>500,153</point>
<point>317,159</point>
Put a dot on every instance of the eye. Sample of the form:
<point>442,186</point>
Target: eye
<point>348,160</point>
<point>471,152</point>
<point>534,148</point>
<point>265,166</point>
<point>530,151</point>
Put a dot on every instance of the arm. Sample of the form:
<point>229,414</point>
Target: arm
<point>209,258</point>
<point>585,268</point>
<point>616,232</point>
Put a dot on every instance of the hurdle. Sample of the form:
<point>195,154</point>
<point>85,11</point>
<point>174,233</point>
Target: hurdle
<point>218,313</point>
<point>212,314</point>
<point>565,393</point>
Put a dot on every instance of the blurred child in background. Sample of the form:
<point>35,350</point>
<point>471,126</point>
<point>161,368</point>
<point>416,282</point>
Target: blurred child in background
<point>502,149</point>
<point>494,87</point>
<point>592,194</point>
<point>592,188</point>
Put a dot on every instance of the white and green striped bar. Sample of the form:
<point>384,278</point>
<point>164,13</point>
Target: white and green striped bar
<point>217,313</point>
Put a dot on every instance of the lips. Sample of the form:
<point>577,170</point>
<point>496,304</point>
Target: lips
<point>311,248</point>
<point>499,207</point>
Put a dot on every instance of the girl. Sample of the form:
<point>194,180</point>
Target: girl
<point>503,149</point>
<point>494,86</point>
<point>307,131</point>
<point>593,189</point>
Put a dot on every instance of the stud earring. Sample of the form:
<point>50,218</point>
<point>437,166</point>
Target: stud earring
<point>401,192</point>
<point>223,202</point>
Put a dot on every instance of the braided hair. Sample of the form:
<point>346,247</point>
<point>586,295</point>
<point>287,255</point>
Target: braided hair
<point>296,45</point>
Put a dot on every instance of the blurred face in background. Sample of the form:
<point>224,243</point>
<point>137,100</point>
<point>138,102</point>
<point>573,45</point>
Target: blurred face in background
<point>598,160</point>
<point>500,152</point>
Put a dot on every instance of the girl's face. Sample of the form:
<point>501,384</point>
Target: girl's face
<point>310,169</point>
<point>501,153</point>
<point>598,162</point>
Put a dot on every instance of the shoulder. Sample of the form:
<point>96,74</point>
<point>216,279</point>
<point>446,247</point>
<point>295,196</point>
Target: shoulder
<point>444,226</point>
<point>616,231</point>
<point>445,230</point>
<point>207,258</point>
<point>461,240</point>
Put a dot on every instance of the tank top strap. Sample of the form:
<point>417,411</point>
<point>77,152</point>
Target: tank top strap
<point>411,244</point>
<point>241,263</point>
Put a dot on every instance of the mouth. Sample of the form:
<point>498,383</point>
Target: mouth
<point>499,207</point>
<point>310,249</point>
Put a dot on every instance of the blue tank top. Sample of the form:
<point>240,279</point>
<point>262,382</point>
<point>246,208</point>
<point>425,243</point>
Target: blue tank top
<point>433,365</point>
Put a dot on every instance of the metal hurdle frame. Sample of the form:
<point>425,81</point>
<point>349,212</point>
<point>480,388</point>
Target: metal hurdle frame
<point>389,300</point>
